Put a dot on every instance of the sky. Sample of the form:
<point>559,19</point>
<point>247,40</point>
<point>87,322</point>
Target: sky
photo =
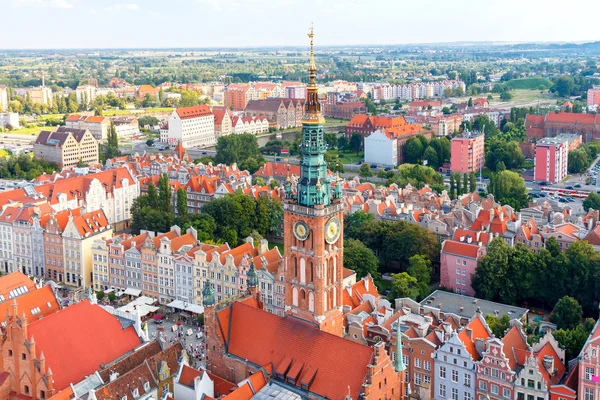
<point>58,24</point>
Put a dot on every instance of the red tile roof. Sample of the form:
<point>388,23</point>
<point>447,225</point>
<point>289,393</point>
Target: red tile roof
<point>14,280</point>
<point>461,249</point>
<point>263,338</point>
<point>94,337</point>
<point>478,330</point>
<point>91,223</point>
<point>221,386</point>
<point>193,112</point>
<point>513,339</point>
<point>42,299</point>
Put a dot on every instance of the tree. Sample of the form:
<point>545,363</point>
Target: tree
<point>403,285</point>
<point>505,96</point>
<point>342,143</point>
<point>578,161</point>
<point>465,183</point>
<point>365,171</point>
<point>420,268</point>
<point>241,149</point>
<point>490,98</point>
<point>452,187</point>
<point>413,151</point>
<point>472,182</point>
<point>430,155</point>
<point>591,202</point>
<point>417,175</point>
<point>509,188</point>
<point>446,110</point>
<point>491,269</point>
<point>164,193</point>
<point>111,147</point>
<point>331,140</point>
<point>356,141</point>
<point>567,313</point>
<point>182,207</point>
<point>470,102</point>
<point>498,325</point>
<point>563,85</point>
<point>360,259</point>
<point>152,196</point>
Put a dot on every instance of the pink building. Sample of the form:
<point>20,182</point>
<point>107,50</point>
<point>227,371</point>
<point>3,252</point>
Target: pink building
<point>589,367</point>
<point>458,261</point>
<point>551,159</point>
<point>295,92</point>
<point>466,153</point>
<point>593,96</point>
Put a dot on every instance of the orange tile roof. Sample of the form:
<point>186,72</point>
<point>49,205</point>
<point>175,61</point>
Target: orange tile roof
<point>14,280</point>
<point>169,235</point>
<point>178,242</point>
<point>513,339</point>
<point>460,249</point>
<point>479,330</point>
<point>94,337</point>
<point>263,338</point>
<point>221,385</point>
<point>353,296</point>
<point>572,118</point>
<point>193,111</point>
<point>91,223</point>
<point>42,298</point>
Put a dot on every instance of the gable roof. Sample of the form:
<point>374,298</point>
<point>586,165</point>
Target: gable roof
<point>34,305</point>
<point>478,330</point>
<point>193,111</point>
<point>291,344</point>
<point>12,281</point>
<point>94,337</point>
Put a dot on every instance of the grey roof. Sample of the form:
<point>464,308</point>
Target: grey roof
<point>58,137</point>
<point>271,104</point>
<point>451,303</point>
<point>274,390</point>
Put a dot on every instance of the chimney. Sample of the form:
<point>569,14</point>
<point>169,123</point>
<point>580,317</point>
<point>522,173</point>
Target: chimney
<point>366,283</point>
<point>469,333</point>
<point>263,246</point>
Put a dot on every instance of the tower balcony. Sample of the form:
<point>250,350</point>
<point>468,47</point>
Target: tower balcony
<point>317,211</point>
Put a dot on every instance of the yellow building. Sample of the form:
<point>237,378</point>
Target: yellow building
<point>66,147</point>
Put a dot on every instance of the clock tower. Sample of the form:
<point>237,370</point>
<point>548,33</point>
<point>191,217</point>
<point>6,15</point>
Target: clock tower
<point>313,226</point>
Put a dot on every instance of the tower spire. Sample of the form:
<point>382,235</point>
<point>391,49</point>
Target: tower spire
<point>399,359</point>
<point>312,107</point>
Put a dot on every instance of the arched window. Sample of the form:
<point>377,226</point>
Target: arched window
<point>325,300</point>
<point>302,270</point>
<point>333,270</point>
<point>311,267</point>
<point>295,296</point>
<point>311,302</point>
<point>303,294</point>
<point>295,267</point>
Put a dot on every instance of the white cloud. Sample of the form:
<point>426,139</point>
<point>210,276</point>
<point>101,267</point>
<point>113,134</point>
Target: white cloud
<point>43,3</point>
<point>125,7</point>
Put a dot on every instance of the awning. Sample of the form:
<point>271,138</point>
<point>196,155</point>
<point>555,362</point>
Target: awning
<point>180,305</point>
<point>133,292</point>
<point>157,316</point>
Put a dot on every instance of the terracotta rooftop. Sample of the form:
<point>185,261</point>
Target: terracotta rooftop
<point>94,337</point>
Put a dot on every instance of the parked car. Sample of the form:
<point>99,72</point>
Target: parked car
<point>578,186</point>
<point>373,165</point>
<point>569,187</point>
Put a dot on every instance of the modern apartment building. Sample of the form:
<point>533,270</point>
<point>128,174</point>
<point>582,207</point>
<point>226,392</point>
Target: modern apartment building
<point>3,98</point>
<point>85,94</point>
<point>66,147</point>
<point>192,127</point>
<point>97,125</point>
<point>467,153</point>
<point>593,97</point>
<point>551,159</point>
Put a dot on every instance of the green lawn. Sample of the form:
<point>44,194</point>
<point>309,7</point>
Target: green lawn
<point>278,245</point>
<point>31,130</point>
<point>532,83</point>
<point>348,157</point>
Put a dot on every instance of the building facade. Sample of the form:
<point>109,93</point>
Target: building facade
<point>551,160</point>
<point>66,147</point>
<point>467,153</point>
<point>192,127</point>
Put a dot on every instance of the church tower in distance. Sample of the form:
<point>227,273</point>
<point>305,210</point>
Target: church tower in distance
<point>313,226</point>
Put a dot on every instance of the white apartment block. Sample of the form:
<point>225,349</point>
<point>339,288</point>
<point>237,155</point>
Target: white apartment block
<point>192,127</point>
<point>7,118</point>
<point>85,93</point>
<point>3,98</point>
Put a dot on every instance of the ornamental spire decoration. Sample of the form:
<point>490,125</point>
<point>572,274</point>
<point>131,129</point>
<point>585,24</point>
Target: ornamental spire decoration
<point>312,107</point>
<point>399,359</point>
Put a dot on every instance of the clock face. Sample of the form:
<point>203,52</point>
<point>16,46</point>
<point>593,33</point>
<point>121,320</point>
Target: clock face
<point>301,230</point>
<point>333,228</point>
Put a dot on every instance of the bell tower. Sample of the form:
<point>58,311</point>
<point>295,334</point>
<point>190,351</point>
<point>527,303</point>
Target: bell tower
<point>313,226</point>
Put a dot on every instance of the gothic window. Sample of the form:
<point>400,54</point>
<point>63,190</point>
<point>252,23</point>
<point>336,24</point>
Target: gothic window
<point>295,267</point>
<point>311,302</point>
<point>295,296</point>
<point>312,271</point>
<point>334,297</point>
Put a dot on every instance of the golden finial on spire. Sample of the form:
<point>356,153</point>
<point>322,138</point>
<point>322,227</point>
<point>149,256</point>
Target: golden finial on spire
<point>311,35</point>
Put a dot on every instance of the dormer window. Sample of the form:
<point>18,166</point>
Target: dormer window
<point>135,392</point>
<point>146,386</point>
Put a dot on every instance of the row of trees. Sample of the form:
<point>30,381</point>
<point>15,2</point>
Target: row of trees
<point>516,275</point>
<point>418,149</point>
<point>418,176</point>
<point>393,242</point>
<point>229,219</point>
<point>469,184</point>
<point>25,167</point>
<point>509,188</point>
<point>581,158</point>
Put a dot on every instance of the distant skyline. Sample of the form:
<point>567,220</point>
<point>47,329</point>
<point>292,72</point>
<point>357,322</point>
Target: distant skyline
<point>63,24</point>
